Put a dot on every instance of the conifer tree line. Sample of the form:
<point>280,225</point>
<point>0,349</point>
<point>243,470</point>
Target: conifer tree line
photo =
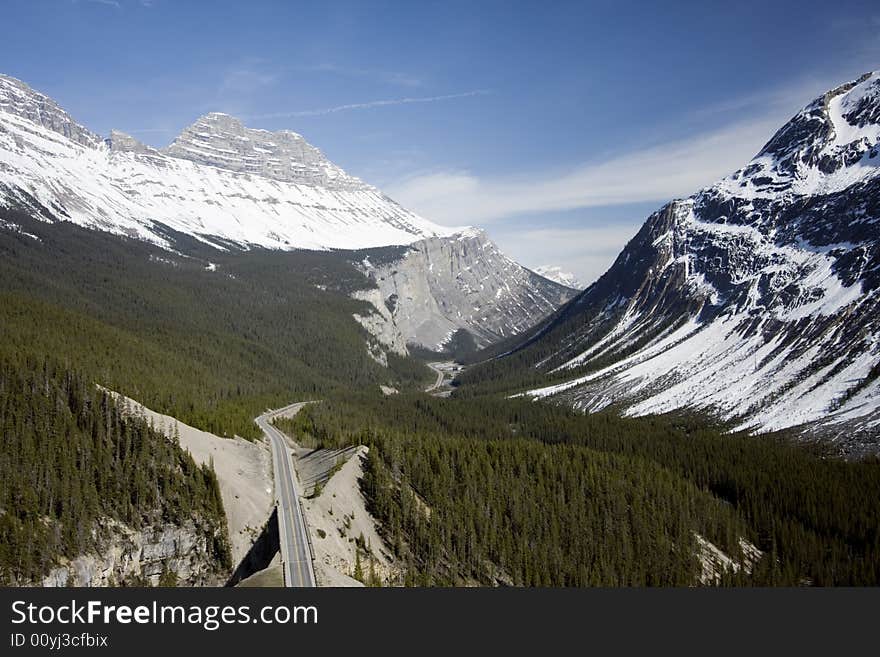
<point>489,490</point>
<point>71,458</point>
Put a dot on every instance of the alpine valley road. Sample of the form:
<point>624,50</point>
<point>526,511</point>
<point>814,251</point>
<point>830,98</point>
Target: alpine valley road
<point>296,552</point>
<point>444,371</point>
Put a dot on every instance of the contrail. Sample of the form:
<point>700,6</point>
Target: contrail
<point>371,104</point>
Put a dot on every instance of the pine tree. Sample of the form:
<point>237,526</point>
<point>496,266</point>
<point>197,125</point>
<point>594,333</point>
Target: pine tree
<point>373,577</point>
<point>168,578</point>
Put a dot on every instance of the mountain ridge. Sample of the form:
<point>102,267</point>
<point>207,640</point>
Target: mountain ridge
<point>289,196</point>
<point>439,286</point>
<point>756,299</point>
<point>223,141</point>
<point>233,187</point>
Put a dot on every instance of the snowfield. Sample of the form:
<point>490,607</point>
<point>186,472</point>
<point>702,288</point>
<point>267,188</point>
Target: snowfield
<point>195,186</point>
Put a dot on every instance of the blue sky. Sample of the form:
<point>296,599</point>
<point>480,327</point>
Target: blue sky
<point>557,126</point>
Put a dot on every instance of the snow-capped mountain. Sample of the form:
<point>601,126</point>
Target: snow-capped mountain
<point>218,179</point>
<point>557,275</point>
<point>755,299</point>
<point>226,184</point>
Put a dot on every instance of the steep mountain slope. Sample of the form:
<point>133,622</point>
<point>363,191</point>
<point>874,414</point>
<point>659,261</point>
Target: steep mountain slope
<point>437,287</point>
<point>90,495</point>
<point>238,188</point>
<point>755,299</point>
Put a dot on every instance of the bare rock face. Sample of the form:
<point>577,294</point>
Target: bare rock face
<point>442,285</point>
<point>143,555</point>
<point>380,323</point>
<point>19,99</point>
<point>119,142</point>
<point>222,141</point>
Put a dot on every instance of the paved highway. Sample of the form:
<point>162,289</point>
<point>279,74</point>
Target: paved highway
<point>445,370</point>
<point>296,553</point>
<point>440,376</point>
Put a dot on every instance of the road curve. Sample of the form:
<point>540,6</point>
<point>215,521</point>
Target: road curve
<point>444,370</point>
<point>440,376</point>
<point>296,553</point>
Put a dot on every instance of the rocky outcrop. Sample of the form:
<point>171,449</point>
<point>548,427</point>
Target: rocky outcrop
<point>19,99</point>
<point>439,286</point>
<point>220,140</point>
<point>715,564</point>
<point>142,556</point>
<point>379,322</point>
<point>119,142</point>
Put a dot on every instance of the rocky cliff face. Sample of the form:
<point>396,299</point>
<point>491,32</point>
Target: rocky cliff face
<point>220,140</point>
<point>119,142</point>
<point>756,299</point>
<point>143,556</point>
<point>439,286</point>
<point>18,99</point>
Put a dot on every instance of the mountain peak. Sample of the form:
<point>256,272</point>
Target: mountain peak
<point>219,181</point>
<point>122,142</point>
<point>757,299</point>
<point>556,274</point>
<point>19,99</point>
<point>827,146</point>
<point>223,141</point>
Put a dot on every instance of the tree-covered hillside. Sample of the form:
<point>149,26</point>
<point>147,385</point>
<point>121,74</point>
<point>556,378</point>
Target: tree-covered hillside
<point>211,337</point>
<point>71,459</point>
<point>495,490</point>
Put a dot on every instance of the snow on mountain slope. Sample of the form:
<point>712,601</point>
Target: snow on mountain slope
<point>756,299</point>
<point>218,179</point>
<point>557,275</point>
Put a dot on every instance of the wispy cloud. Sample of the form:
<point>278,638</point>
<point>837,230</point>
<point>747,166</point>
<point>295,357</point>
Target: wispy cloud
<point>370,105</point>
<point>639,175</point>
<point>116,4</point>
<point>656,171</point>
